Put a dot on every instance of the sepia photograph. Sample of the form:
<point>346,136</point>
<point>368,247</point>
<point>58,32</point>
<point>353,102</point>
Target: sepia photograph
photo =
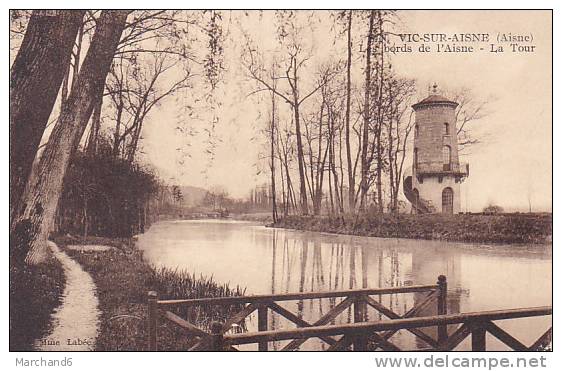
<point>372,180</point>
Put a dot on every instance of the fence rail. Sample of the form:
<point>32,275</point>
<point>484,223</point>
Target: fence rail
<point>360,335</point>
<point>232,300</point>
<point>472,323</point>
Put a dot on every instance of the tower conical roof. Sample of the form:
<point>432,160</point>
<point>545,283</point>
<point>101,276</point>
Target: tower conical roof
<point>434,99</point>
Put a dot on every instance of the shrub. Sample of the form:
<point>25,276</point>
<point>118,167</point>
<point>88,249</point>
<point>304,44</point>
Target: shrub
<point>492,209</point>
<point>105,195</point>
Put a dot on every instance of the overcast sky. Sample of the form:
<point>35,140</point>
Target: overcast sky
<point>512,164</point>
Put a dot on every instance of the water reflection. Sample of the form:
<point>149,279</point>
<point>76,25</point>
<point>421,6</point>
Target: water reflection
<point>266,260</point>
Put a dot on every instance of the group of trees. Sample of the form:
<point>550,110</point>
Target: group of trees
<point>338,126</point>
<point>36,77</point>
<point>82,84</point>
<point>344,134</point>
<point>106,196</point>
<point>218,199</point>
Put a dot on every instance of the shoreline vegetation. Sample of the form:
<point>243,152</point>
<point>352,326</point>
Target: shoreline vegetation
<point>123,279</point>
<point>35,292</point>
<point>515,228</point>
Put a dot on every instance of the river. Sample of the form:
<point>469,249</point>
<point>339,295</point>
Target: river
<point>270,260</point>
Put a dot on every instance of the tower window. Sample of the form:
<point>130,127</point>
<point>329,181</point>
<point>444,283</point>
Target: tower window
<point>416,131</point>
<point>446,158</point>
<point>445,129</point>
<point>416,159</point>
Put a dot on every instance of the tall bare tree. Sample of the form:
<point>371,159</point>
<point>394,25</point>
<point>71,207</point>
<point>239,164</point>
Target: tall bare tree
<point>366,114</point>
<point>380,109</point>
<point>272,137</point>
<point>350,173</point>
<point>135,90</point>
<point>149,37</point>
<point>294,61</point>
<point>469,112</point>
<point>399,126</point>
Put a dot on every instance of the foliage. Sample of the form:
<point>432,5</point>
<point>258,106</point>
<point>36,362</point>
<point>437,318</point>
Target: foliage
<point>123,279</point>
<point>35,292</point>
<point>105,195</point>
<point>504,228</point>
<point>176,194</point>
<point>180,284</point>
<point>493,209</point>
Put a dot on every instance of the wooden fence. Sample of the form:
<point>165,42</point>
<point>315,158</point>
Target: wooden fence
<point>361,335</point>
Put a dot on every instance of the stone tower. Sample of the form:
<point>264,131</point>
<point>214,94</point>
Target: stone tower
<point>433,185</point>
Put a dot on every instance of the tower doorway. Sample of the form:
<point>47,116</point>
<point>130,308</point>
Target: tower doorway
<point>447,201</point>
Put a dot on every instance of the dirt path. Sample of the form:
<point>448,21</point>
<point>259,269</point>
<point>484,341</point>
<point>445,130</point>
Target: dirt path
<point>76,321</point>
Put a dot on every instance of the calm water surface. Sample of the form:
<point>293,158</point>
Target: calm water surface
<point>269,260</point>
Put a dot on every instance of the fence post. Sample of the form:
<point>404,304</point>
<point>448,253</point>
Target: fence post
<point>217,341</point>
<point>442,308</point>
<point>152,320</point>
<point>478,338</point>
<point>359,315</point>
<point>262,326</point>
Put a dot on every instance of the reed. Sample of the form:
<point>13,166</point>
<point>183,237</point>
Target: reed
<point>181,284</point>
<point>123,278</point>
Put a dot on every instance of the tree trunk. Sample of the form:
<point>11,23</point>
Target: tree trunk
<point>134,141</point>
<point>284,194</point>
<point>321,165</point>
<point>330,192</point>
<point>380,119</point>
<point>366,116</point>
<point>76,65</point>
<point>290,189</point>
<point>85,215</point>
<point>402,158</point>
<point>117,133</point>
<point>272,166</point>
<point>333,170</point>
<point>351,175</point>
<point>341,172</point>
<point>391,157</point>
<point>300,155</point>
<point>95,129</point>
<point>64,88</point>
<point>43,192</point>
<point>35,79</point>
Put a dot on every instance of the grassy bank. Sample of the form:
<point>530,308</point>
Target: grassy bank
<point>35,292</point>
<point>254,217</point>
<point>504,228</point>
<point>123,279</point>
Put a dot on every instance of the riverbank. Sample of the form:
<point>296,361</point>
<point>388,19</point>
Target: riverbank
<point>264,218</point>
<point>123,278</point>
<point>504,228</point>
<point>35,293</point>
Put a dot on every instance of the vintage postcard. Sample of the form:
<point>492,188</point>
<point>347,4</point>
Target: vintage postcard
<point>270,180</point>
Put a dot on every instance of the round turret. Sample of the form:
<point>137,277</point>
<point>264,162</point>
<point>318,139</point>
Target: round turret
<point>436,169</point>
